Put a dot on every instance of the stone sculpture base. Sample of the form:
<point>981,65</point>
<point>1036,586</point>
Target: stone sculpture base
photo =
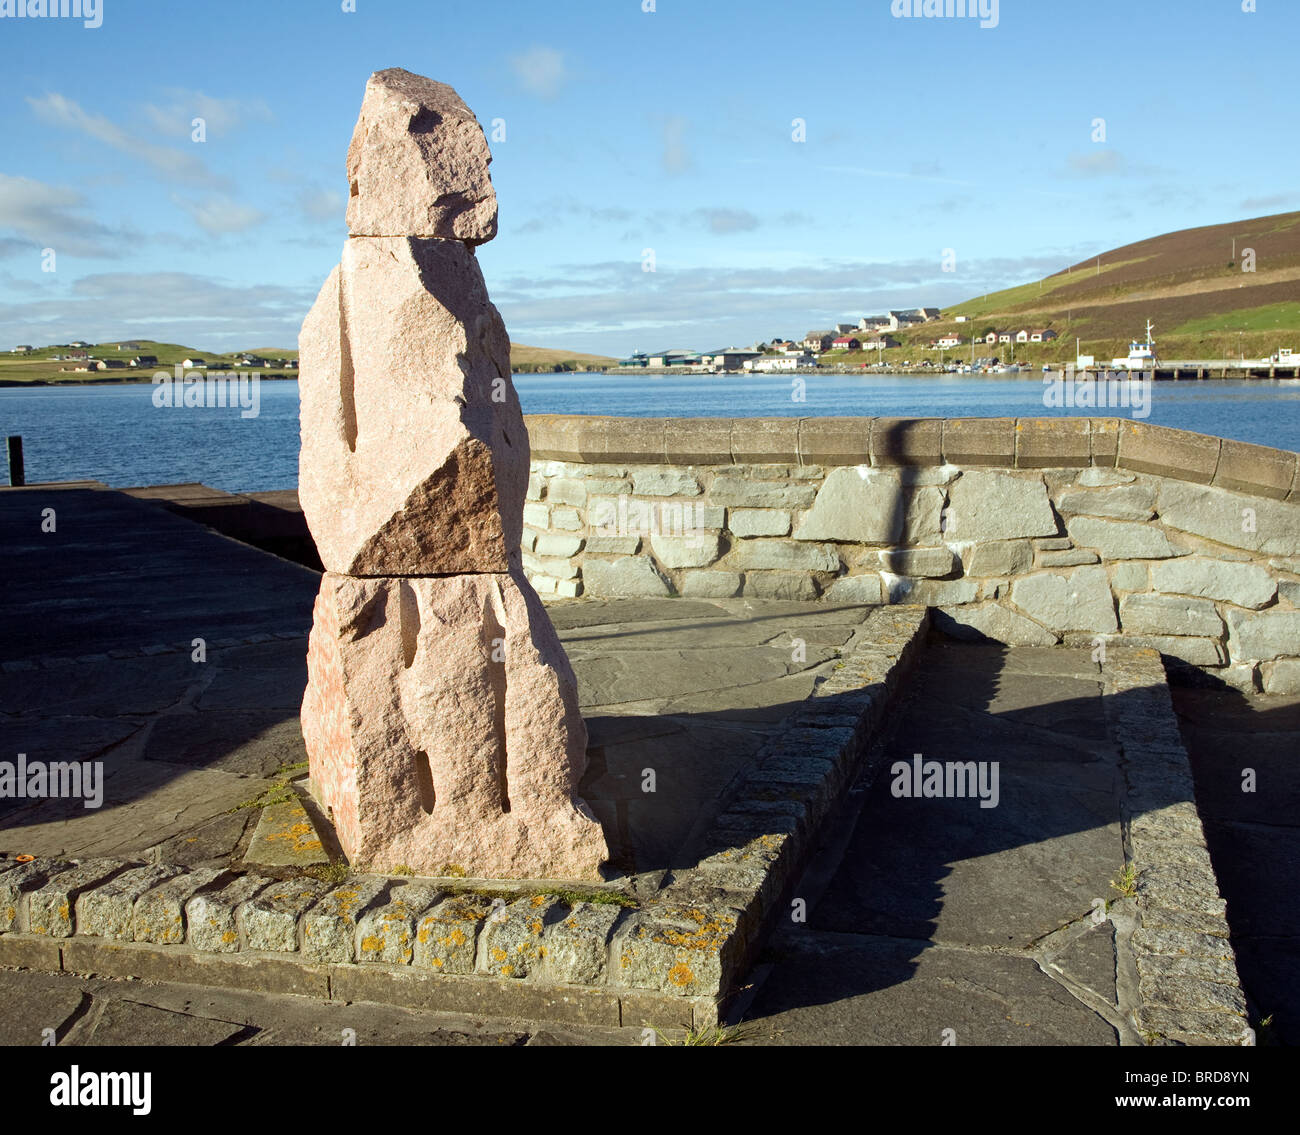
<point>442,727</point>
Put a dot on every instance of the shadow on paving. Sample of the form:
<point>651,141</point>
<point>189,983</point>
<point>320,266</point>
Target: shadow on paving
<point>937,920</point>
<point>687,689</point>
<point>1252,829</point>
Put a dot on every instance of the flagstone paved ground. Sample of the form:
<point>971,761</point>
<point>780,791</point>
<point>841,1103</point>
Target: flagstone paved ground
<point>922,915</point>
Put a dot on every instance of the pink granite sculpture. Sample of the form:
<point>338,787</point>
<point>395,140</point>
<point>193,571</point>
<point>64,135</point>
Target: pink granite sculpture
<point>441,714</point>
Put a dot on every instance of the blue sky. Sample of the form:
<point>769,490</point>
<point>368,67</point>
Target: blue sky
<point>627,131</point>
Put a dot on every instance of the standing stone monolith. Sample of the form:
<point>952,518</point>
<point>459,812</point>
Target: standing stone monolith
<point>441,713</point>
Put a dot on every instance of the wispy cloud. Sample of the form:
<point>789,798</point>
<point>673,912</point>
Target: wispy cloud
<point>676,157</point>
<point>614,298</point>
<point>719,220</point>
<point>924,174</point>
<point>1107,163</point>
<point>175,165</point>
<point>175,117</point>
<point>1095,163</point>
<point>540,71</point>
<point>726,220</point>
<point>44,215</point>
<point>321,205</point>
<point>1273,201</point>
<point>220,215</point>
<point>175,307</point>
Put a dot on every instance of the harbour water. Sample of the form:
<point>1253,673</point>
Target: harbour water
<point>115,433</point>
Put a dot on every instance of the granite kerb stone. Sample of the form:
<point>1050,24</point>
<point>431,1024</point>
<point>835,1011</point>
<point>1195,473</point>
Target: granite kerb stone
<point>1180,912</point>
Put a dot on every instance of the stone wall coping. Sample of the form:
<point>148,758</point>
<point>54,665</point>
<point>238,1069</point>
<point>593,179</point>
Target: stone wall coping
<point>1014,443</point>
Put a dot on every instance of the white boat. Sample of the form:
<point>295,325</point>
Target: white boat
<point>1141,356</point>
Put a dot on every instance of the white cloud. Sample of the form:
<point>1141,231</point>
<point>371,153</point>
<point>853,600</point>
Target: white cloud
<point>322,204</point>
<point>173,307</point>
<point>221,116</point>
<point>601,304</point>
<point>175,165</point>
<point>1097,163</point>
<point>724,221</point>
<point>53,216</point>
<point>1102,163</point>
<point>1272,201</point>
<point>540,71</point>
<point>676,157</point>
<point>220,214</point>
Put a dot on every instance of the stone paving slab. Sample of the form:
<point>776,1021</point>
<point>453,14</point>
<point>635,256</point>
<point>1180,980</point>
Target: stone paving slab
<point>122,573</point>
<point>933,913</point>
<point>890,991</point>
<point>101,1011</point>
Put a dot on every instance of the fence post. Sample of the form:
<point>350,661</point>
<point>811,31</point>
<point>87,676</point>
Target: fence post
<point>17,475</point>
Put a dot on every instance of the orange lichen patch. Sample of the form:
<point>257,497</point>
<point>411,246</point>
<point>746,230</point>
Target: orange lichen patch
<point>63,911</point>
<point>538,900</point>
<point>711,933</point>
<point>455,938</point>
<point>229,936</point>
<point>680,975</point>
<point>372,945</point>
<point>300,834</point>
<point>438,962</point>
<point>507,970</point>
<point>498,954</point>
<point>535,926</point>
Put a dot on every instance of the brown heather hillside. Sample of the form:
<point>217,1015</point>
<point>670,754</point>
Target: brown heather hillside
<point>524,359</point>
<point>1201,304</point>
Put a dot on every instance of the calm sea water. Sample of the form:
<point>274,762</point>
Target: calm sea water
<point>115,434</point>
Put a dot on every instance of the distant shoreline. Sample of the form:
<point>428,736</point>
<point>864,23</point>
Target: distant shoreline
<point>141,381</point>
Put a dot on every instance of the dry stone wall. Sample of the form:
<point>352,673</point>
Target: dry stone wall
<point>1025,531</point>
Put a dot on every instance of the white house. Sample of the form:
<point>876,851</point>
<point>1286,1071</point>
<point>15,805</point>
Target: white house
<point>780,363</point>
<point>190,364</point>
<point>949,340</point>
<point>879,343</point>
